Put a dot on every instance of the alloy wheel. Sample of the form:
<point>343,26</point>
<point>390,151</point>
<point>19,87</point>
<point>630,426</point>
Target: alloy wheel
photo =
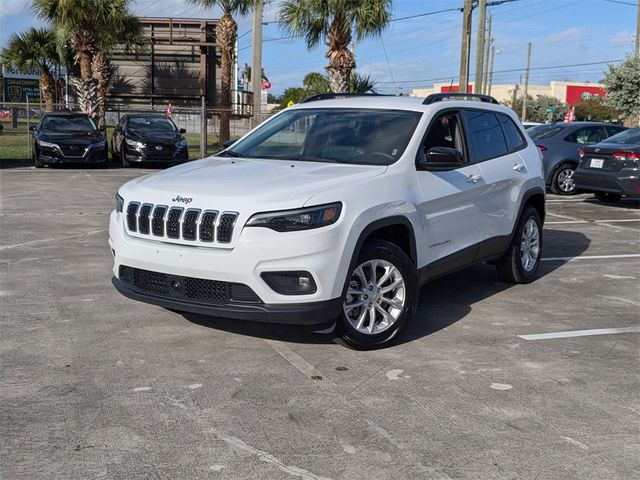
<point>375,297</point>
<point>565,180</point>
<point>530,245</point>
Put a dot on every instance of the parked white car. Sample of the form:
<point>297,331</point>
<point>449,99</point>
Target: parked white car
<point>336,211</point>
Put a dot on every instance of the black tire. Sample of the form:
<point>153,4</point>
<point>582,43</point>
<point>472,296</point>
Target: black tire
<point>37,163</point>
<point>562,182</point>
<point>606,197</point>
<point>511,266</point>
<point>387,254</point>
<point>125,163</point>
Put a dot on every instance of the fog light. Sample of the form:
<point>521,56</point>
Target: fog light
<point>290,283</point>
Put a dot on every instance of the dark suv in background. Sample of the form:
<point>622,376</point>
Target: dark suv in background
<point>148,137</point>
<point>560,144</point>
<point>66,137</point>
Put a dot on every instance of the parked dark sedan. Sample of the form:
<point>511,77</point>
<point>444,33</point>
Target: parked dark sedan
<point>610,169</point>
<point>149,137</point>
<point>68,138</point>
<point>560,144</point>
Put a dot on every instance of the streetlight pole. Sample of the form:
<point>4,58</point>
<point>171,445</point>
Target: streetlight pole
<point>256,64</point>
<point>465,46</point>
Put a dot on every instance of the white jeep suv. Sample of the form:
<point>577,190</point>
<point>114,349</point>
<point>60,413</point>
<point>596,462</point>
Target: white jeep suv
<point>336,210</point>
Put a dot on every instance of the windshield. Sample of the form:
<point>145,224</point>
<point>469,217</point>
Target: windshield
<point>68,123</point>
<point>155,124</point>
<point>631,137</point>
<point>353,136</point>
<point>543,131</point>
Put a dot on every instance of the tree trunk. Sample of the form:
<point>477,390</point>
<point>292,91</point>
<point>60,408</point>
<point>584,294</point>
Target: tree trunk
<point>226,33</point>
<point>47,91</point>
<point>83,43</point>
<point>341,60</point>
<point>86,91</point>
<point>102,73</point>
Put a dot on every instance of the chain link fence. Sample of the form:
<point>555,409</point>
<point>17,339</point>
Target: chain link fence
<point>202,126</point>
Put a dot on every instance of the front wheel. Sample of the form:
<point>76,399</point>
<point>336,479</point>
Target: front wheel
<point>562,182</point>
<point>380,298</point>
<point>521,261</point>
<point>607,197</point>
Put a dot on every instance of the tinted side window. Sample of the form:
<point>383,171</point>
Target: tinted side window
<point>512,132</point>
<point>587,135</point>
<point>485,135</point>
<point>612,130</point>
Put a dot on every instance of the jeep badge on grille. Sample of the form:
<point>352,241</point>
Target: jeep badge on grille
<point>185,200</point>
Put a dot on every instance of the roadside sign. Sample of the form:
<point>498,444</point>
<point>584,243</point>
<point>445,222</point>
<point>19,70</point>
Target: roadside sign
<point>290,104</point>
<point>551,110</point>
<point>18,89</point>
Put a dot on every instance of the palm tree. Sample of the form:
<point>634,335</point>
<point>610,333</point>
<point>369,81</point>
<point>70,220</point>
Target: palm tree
<point>93,29</point>
<point>226,35</point>
<point>34,49</point>
<point>335,21</point>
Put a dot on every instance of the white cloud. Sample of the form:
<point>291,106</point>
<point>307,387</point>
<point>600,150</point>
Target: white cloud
<point>622,39</point>
<point>570,34</point>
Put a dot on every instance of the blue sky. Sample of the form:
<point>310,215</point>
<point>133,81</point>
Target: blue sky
<point>427,49</point>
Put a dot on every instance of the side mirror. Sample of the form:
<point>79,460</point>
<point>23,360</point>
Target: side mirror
<point>33,128</point>
<point>439,158</point>
<point>182,130</point>
<point>228,143</point>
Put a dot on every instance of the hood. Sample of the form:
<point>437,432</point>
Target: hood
<point>246,185</point>
<point>159,136</point>
<point>75,138</point>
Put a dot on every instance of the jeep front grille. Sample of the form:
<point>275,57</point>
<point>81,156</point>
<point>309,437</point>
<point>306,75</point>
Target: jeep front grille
<point>179,224</point>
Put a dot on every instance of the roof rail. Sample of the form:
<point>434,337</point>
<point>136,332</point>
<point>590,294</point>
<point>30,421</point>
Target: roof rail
<point>439,97</point>
<point>330,95</point>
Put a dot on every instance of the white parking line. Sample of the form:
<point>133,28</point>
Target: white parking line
<point>297,361</point>
<point>581,333</point>
<point>594,221</point>
<point>588,257</point>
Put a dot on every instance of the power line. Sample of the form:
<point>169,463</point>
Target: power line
<point>622,3</point>
<point>547,67</point>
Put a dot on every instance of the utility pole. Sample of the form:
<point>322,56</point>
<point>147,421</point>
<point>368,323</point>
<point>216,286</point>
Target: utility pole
<point>477,87</point>
<point>465,47</point>
<point>256,64</point>
<point>487,51</point>
<point>638,31</point>
<point>493,54</point>
<point>526,85</point>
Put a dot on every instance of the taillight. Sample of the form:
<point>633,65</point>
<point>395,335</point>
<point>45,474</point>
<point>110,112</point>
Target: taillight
<point>581,152</point>
<point>542,148</point>
<point>630,159</point>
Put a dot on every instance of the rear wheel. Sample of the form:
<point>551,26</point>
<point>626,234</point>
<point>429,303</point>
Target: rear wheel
<point>381,296</point>
<point>607,197</point>
<point>562,182</point>
<point>521,261</point>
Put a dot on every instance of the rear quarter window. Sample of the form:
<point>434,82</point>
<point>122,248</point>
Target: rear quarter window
<point>512,132</point>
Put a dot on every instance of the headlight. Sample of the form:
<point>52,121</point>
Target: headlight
<point>181,143</point>
<point>42,143</point>
<point>134,144</point>
<point>100,144</point>
<point>300,219</point>
<point>119,203</point>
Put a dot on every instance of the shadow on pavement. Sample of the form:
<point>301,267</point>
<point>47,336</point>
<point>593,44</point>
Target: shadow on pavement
<point>443,301</point>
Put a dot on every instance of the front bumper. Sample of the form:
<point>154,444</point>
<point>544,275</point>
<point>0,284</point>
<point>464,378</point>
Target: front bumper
<point>623,182</point>
<point>92,155</point>
<point>150,154</point>
<point>313,313</point>
<point>255,251</point>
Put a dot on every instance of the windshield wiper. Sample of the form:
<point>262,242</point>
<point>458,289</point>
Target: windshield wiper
<point>228,153</point>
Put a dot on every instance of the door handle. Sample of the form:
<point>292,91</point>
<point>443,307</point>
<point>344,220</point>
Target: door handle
<point>473,178</point>
<point>518,167</point>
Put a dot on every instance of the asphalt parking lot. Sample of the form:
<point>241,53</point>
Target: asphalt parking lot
<point>94,385</point>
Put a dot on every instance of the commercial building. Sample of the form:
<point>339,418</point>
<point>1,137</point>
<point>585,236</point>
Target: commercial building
<point>567,92</point>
